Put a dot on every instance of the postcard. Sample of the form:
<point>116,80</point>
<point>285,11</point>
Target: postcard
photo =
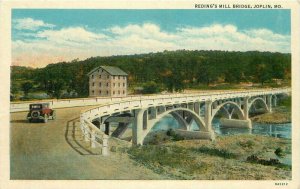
<point>173,94</point>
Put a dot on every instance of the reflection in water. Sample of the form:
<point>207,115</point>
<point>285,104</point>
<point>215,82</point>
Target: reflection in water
<point>274,130</point>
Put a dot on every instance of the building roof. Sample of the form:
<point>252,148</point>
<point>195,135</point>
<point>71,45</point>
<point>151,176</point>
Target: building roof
<point>110,69</point>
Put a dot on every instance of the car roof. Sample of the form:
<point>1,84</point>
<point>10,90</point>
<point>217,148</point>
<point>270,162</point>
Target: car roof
<point>40,104</point>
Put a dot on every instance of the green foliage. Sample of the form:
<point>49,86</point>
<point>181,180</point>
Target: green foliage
<point>26,87</point>
<point>158,157</point>
<point>150,88</point>
<point>246,144</point>
<point>279,152</point>
<point>55,87</point>
<point>286,102</point>
<point>270,162</point>
<point>171,70</point>
<point>174,136</point>
<point>215,152</point>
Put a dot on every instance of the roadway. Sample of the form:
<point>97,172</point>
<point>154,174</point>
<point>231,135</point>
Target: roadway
<point>55,150</point>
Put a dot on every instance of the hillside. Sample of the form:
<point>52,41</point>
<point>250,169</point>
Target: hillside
<point>168,70</point>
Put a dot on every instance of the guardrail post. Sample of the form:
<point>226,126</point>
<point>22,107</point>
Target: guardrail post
<point>86,134</point>
<point>105,145</point>
<point>93,139</point>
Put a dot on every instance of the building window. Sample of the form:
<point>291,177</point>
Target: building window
<point>93,91</point>
<point>106,92</point>
<point>93,84</point>
<point>92,76</point>
<point>101,70</point>
<point>113,92</point>
<point>118,77</point>
<point>100,84</point>
<point>123,84</point>
<point>108,77</point>
<point>123,92</point>
<point>100,76</point>
<point>106,84</point>
<point>100,92</point>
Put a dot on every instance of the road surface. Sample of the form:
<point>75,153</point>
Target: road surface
<point>55,150</point>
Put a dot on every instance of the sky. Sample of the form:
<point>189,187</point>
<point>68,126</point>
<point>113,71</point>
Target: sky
<point>44,36</point>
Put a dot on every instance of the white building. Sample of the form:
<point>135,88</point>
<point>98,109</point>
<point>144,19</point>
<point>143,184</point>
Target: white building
<point>107,81</point>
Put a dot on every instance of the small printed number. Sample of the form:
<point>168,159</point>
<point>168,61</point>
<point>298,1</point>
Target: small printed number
<point>281,183</point>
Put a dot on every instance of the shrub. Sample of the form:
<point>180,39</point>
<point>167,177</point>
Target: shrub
<point>215,152</point>
<point>279,152</point>
<point>246,144</point>
<point>150,87</point>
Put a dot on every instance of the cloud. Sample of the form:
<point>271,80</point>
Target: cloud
<point>70,35</point>
<point>30,24</point>
<point>65,44</point>
<point>147,30</point>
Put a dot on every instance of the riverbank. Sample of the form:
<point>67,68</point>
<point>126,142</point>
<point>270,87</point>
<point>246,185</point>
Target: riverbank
<point>237,157</point>
<point>278,115</point>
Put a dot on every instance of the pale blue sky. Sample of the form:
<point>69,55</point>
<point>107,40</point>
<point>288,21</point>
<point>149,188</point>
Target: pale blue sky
<point>80,32</point>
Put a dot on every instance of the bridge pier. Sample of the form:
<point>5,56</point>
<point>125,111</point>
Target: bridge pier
<point>269,103</point>
<point>275,101</point>
<point>184,110</point>
<point>137,129</point>
<point>207,117</point>
<point>246,107</point>
<point>197,108</point>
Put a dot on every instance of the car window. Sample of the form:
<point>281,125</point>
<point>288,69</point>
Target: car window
<point>35,106</point>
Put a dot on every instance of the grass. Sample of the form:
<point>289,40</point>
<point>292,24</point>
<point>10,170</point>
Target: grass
<point>229,157</point>
<point>162,158</point>
<point>268,162</point>
<point>215,152</point>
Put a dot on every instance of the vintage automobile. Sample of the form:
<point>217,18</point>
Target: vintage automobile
<point>40,111</point>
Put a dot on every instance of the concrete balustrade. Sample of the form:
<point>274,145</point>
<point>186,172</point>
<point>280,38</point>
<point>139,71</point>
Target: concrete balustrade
<point>65,103</point>
<point>183,107</point>
<point>147,110</point>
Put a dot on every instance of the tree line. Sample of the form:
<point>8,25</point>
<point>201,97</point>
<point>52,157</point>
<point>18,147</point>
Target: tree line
<point>168,70</point>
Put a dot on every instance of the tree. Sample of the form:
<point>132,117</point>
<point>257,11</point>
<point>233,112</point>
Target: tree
<point>26,87</point>
<point>150,87</point>
<point>55,88</point>
<point>263,73</point>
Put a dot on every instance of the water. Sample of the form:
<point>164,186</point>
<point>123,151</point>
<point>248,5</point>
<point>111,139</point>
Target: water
<point>273,130</point>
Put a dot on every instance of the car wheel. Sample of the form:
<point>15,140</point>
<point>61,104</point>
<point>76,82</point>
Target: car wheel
<point>29,120</point>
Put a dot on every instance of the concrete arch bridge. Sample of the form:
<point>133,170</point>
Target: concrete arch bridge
<point>200,108</point>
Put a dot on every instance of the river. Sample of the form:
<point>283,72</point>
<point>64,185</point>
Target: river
<point>273,130</point>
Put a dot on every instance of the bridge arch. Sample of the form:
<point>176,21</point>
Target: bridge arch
<point>236,107</point>
<point>258,99</point>
<point>175,113</point>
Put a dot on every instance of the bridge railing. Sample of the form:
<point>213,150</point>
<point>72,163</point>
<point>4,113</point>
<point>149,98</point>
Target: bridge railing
<point>87,116</point>
<point>65,103</point>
